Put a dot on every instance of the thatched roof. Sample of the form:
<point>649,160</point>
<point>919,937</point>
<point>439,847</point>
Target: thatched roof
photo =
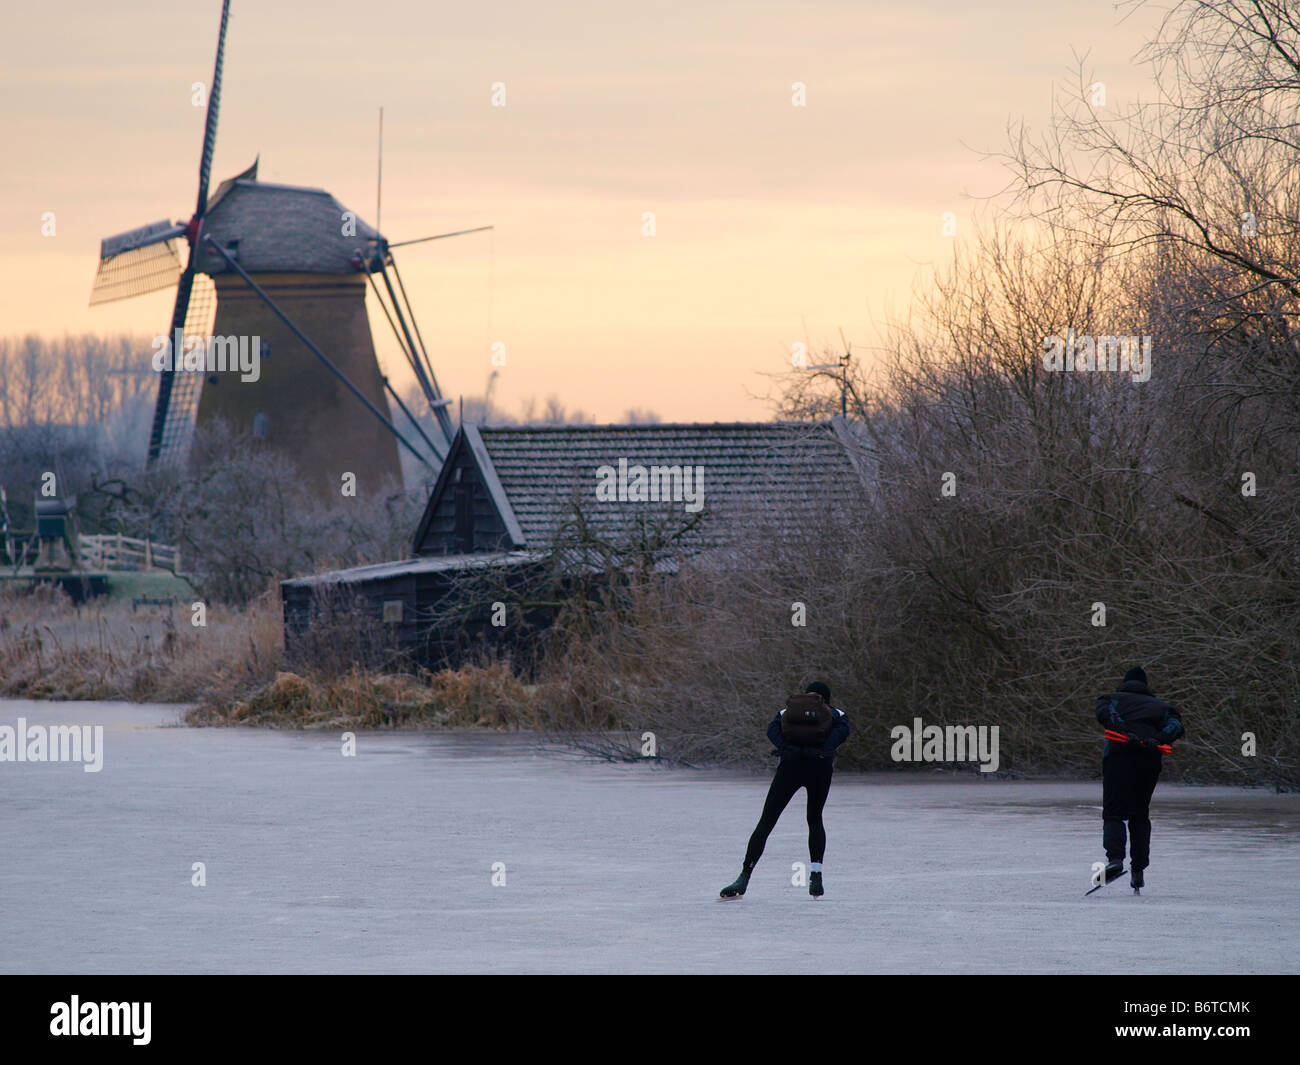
<point>768,473</point>
<point>282,228</point>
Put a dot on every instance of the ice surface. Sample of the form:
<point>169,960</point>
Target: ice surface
<point>383,863</point>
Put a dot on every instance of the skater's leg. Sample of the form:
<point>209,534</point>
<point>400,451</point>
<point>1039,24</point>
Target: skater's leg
<point>1115,785</point>
<point>1146,775</point>
<point>819,786</point>
<point>784,785</point>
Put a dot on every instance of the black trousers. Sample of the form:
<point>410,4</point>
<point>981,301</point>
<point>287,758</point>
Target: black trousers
<point>814,774</point>
<point>1128,778</point>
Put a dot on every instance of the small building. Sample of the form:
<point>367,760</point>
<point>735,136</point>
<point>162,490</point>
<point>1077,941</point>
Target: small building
<point>513,504</point>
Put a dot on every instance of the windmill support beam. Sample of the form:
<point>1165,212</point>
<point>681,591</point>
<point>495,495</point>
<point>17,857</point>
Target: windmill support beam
<point>439,455</point>
<point>420,379</point>
<point>428,363</point>
<point>444,422</point>
<point>257,291</point>
<point>440,236</point>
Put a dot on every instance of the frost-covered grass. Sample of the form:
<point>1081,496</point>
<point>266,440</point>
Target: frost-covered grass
<point>104,649</point>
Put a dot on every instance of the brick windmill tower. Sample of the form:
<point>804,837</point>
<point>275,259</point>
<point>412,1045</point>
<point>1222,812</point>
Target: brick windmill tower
<point>289,241</point>
<point>276,277</point>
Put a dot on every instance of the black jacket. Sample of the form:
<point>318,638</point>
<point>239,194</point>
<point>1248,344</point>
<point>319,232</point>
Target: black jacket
<point>838,734</point>
<point>1133,710</point>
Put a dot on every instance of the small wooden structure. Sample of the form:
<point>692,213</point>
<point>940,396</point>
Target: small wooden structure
<point>511,500</point>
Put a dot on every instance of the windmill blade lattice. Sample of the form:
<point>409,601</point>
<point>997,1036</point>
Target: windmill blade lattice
<point>153,262</point>
<point>187,385</point>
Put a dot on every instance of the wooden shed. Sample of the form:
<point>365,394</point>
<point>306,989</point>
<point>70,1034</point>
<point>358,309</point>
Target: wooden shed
<point>510,500</point>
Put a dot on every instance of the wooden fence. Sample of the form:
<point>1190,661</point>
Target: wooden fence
<point>117,552</point>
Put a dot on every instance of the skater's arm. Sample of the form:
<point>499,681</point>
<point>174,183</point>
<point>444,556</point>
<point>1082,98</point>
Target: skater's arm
<point>1108,712</point>
<point>1172,726</point>
<point>774,732</point>
<point>839,731</point>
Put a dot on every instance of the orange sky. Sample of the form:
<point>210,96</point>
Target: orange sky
<point>774,222</point>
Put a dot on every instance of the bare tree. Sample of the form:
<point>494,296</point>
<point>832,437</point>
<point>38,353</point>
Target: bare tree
<point>1205,174</point>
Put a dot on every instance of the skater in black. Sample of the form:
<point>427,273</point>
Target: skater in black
<point>807,750</point>
<point>1140,729</point>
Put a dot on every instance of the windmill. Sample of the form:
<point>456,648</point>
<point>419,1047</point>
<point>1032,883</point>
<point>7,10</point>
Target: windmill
<point>285,269</point>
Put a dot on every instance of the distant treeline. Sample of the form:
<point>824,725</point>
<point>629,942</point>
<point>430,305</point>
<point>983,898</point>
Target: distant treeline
<point>78,380</point>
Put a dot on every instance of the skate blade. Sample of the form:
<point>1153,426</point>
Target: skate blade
<point>1105,883</point>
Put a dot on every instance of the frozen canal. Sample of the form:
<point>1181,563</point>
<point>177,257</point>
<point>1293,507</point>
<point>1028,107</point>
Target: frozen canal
<point>384,863</point>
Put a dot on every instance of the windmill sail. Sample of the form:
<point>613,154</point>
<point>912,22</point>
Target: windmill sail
<point>187,385</point>
<point>185,284</point>
<point>139,261</point>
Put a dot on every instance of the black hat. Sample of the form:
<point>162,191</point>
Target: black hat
<point>1138,674</point>
<point>821,689</point>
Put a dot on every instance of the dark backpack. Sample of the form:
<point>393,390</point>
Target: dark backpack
<point>807,720</point>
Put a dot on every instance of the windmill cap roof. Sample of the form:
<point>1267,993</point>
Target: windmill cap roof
<point>272,228</point>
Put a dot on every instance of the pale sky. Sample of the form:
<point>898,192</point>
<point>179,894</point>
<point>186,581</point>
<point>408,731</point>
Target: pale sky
<point>775,223</point>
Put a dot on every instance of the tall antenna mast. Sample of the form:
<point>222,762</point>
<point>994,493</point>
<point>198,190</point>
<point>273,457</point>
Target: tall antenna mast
<point>379,190</point>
